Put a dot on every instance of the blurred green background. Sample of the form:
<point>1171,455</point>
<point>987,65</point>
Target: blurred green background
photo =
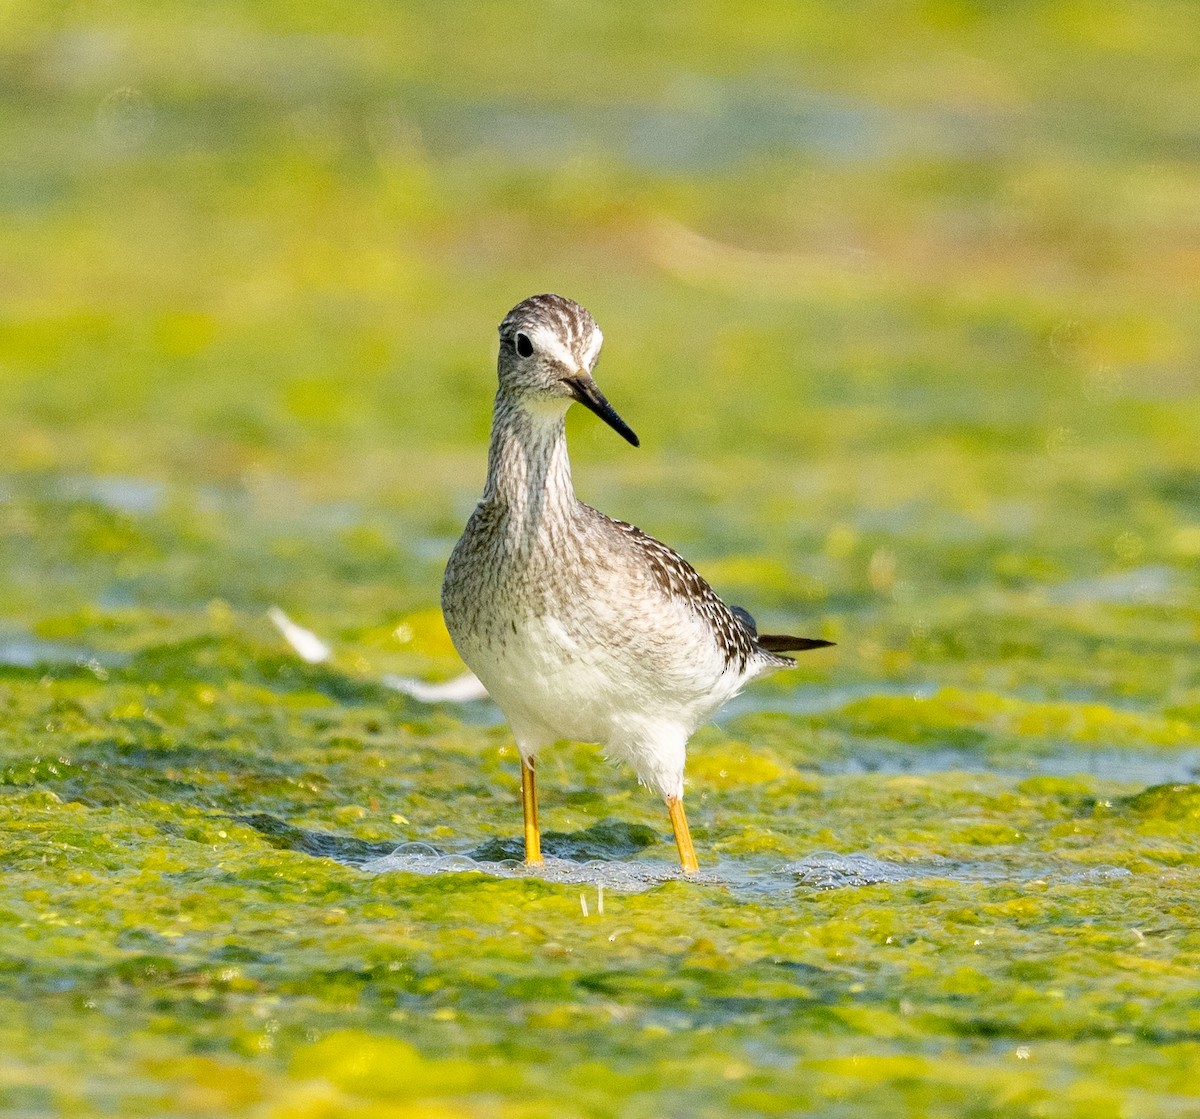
<point>901,299</point>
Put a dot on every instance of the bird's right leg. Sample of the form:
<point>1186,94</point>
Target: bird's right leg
<point>658,751</point>
<point>533,837</point>
<point>683,837</point>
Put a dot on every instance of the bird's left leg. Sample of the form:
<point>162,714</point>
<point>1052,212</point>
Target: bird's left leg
<point>533,837</point>
<point>530,740</point>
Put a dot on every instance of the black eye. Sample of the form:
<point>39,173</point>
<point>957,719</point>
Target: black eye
<point>523,345</point>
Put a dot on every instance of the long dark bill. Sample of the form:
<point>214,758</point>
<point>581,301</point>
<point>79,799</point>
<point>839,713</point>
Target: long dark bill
<point>588,393</point>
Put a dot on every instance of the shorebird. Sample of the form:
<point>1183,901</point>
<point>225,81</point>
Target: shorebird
<point>582,627</point>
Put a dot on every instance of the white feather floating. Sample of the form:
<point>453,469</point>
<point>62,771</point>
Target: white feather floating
<point>462,689</point>
<point>466,688</point>
<point>308,646</point>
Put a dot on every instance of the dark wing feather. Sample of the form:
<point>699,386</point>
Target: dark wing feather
<point>733,627</point>
<point>678,579</point>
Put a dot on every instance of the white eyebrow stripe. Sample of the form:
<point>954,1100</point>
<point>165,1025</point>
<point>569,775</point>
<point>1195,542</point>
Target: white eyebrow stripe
<point>550,343</point>
<point>593,350</point>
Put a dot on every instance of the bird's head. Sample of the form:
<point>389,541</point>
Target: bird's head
<point>548,348</point>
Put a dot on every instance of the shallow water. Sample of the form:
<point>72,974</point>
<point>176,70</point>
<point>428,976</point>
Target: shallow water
<point>819,871</point>
<point>1112,765</point>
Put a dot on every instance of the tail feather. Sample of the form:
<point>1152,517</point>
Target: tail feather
<point>782,643</point>
<point>776,642</point>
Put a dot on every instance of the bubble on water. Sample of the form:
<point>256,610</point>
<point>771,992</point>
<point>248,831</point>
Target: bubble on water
<point>1103,384</point>
<point>1062,441</point>
<point>828,871</point>
<point>1099,874</point>
<point>1065,340</point>
<point>1129,546</point>
<point>125,118</point>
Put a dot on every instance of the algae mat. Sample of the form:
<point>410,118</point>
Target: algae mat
<point>906,322</point>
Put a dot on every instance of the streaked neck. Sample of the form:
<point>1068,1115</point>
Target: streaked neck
<point>529,473</point>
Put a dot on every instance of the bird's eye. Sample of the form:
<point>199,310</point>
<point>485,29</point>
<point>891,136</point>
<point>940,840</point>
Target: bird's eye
<point>523,345</point>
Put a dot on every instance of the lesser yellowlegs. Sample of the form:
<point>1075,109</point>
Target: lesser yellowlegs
<point>580,626</point>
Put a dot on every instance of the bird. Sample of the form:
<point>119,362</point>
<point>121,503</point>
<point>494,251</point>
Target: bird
<point>580,626</point>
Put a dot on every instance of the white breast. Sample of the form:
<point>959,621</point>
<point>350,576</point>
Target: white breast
<point>552,681</point>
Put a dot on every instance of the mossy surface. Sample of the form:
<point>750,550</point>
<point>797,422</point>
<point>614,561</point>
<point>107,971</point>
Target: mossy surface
<point>902,304</point>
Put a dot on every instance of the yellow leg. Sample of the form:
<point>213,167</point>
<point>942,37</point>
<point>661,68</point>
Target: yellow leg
<point>533,838</point>
<point>683,837</point>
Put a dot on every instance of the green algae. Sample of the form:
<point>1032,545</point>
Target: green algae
<point>906,324</point>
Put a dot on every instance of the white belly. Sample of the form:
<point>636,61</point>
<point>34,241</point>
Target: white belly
<point>552,684</point>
